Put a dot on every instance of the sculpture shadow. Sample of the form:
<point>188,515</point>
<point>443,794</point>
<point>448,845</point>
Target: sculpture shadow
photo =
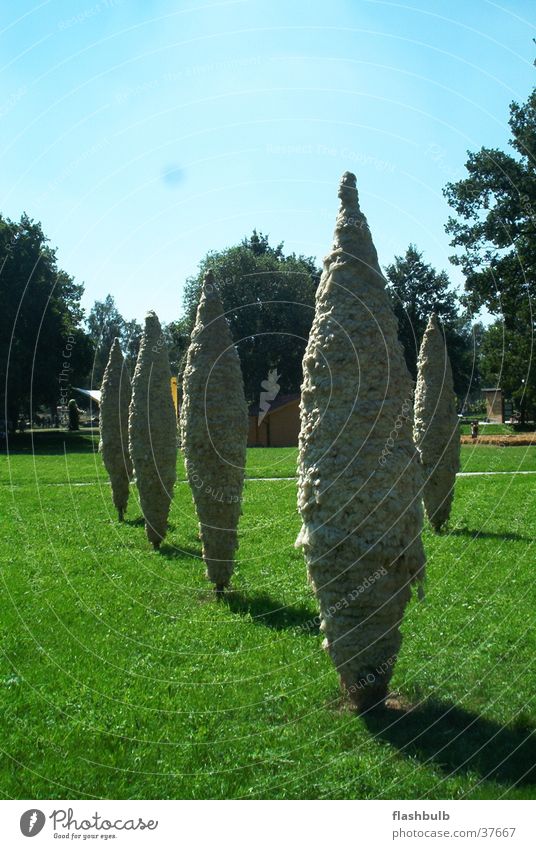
<point>476,534</point>
<point>459,741</point>
<point>177,551</point>
<point>138,522</point>
<point>270,613</point>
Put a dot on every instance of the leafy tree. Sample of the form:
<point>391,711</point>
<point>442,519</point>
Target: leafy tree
<point>507,360</point>
<point>416,290</point>
<point>495,230</point>
<point>269,300</point>
<point>42,345</point>
<point>104,323</point>
<point>496,225</point>
<point>130,341</point>
<point>177,336</point>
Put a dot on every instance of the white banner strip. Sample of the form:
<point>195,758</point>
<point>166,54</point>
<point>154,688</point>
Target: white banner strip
<point>268,825</point>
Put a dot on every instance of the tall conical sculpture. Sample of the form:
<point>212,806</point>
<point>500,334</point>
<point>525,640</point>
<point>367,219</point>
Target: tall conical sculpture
<point>152,429</point>
<point>114,404</point>
<point>436,429</point>
<point>214,425</point>
<point>359,472</point>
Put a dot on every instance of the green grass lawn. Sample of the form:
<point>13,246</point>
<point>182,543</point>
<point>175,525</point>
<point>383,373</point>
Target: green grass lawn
<point>61,458</point>
<point>492,458</point>
<point>122,677</point>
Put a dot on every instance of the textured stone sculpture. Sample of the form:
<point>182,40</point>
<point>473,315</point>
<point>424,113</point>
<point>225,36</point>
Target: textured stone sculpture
<point>114,404</point>
<point>436,428</point>
<point>152,429</point>
<point>214,423</point>
<point>74,415</point>
<point>359,471</point>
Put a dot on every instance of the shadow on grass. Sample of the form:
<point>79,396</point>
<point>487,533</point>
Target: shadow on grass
<point>139,522</point>
<point>175,551</point>
<point>51,442</point>
<point>270,613</point>
<point>458,741</point>
<point>475,534</point>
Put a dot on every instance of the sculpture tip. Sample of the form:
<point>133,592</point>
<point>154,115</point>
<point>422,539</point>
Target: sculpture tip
<point>348,180</point>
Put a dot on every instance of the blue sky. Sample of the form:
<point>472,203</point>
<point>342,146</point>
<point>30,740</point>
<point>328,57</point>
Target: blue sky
<point>143,134</point>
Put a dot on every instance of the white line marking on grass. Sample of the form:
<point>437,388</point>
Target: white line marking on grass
<point>293,478</point>
<point>516,472</point>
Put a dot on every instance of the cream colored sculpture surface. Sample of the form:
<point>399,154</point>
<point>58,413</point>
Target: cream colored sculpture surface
<point>152,430</point>
<point>113,445</point>
<point>436,428</point>
<point>359,472</point>
<point>214,423</point>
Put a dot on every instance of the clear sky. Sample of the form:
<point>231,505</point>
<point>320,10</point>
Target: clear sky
<point>143,133</point>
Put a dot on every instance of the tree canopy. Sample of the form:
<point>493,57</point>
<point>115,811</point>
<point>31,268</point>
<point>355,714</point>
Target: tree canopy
<point>495,230</point>
<point>104,323</point>
<point>495,227</point>
<point>507,360</point>
<point>269,299</point>
<point>416,290</point>
<point>42,345</point>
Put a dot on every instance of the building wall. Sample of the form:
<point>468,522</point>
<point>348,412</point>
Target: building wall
<point>494,406</point>
<point>285,425</point>
<point>257,435</point>
<point>278,429</point>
